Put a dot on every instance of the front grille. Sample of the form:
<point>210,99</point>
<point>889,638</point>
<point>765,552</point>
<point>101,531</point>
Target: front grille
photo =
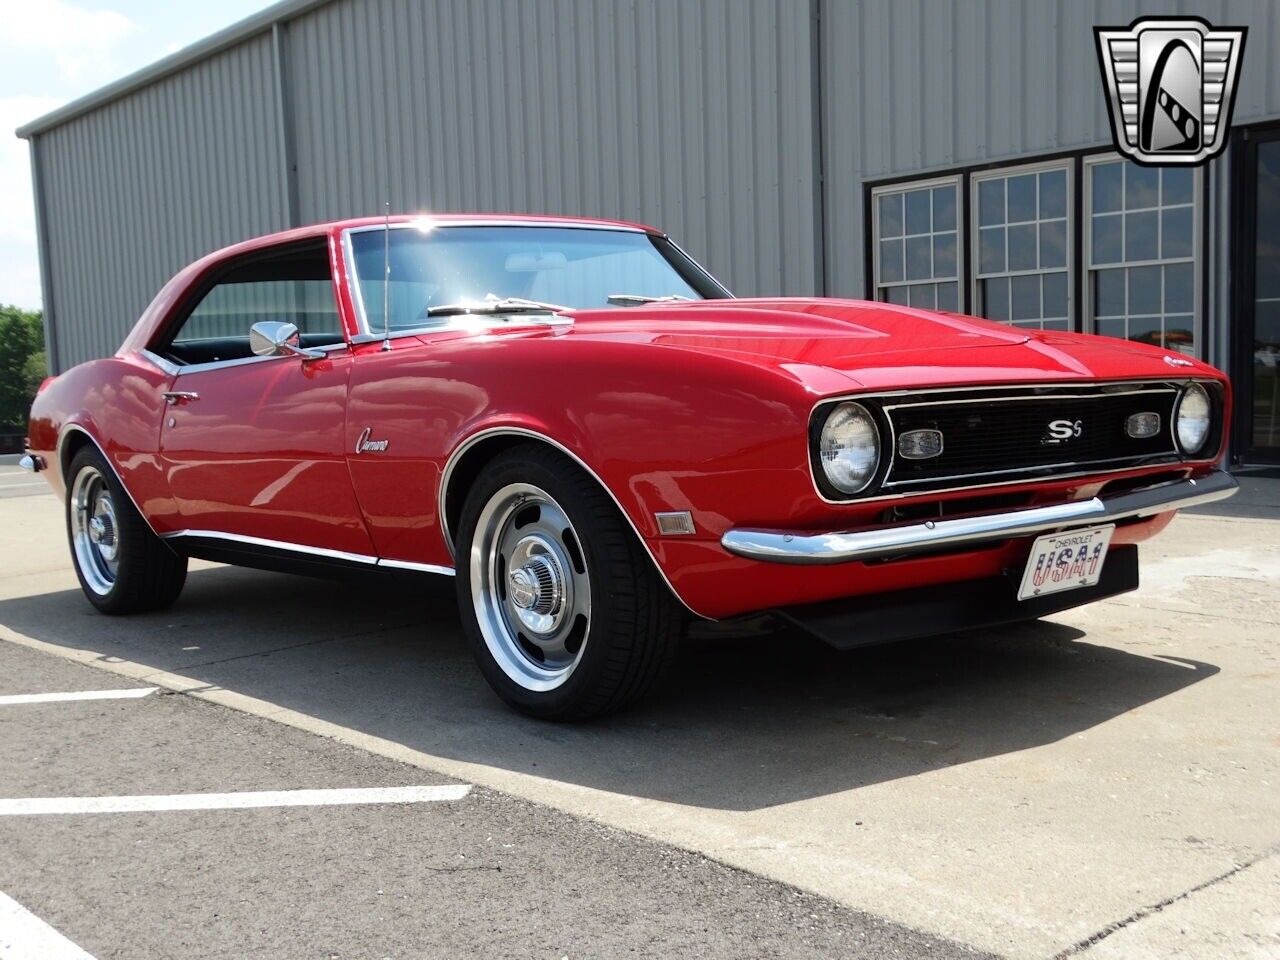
<point>996,435</point>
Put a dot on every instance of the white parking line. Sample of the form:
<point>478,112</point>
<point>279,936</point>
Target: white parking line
<point>29,806</point>
<point>24,936</point>
<point>129,694</point>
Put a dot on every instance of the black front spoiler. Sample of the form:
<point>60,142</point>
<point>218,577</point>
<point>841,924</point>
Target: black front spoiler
<point>949,608</point>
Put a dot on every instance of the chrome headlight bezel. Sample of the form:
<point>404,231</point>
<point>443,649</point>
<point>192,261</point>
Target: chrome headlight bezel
<point>1199,391</point>
<point>832,488</point>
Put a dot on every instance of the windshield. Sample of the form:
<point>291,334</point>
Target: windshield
<point>565,266</point>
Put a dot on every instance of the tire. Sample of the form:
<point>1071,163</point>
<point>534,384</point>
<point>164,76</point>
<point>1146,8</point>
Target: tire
<point>122,566</point>
<point>561,605</point>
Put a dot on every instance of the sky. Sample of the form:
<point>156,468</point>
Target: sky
<point>55,51</point>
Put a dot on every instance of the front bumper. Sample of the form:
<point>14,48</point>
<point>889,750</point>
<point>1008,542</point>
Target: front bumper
<point>882,543</point>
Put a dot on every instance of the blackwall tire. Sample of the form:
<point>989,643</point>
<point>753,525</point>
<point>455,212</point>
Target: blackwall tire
<point>122,566</point>
<point>561,605</point>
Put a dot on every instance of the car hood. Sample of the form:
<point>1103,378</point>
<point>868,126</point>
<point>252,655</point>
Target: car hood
<point>877,345</point>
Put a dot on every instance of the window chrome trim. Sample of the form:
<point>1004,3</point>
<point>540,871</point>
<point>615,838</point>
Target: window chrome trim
<point>462,447</point>
<point>289,547</point>
<point>853,500</point>
<point>183,370</point>
<point>167,366</point>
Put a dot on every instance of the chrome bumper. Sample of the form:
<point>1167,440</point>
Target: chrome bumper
<point>781,546</point>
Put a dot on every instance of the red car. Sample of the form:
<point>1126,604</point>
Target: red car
<point>583,428</point>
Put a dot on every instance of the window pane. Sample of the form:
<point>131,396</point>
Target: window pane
<point>919,260</point>
<point>947,297</point>
<point>995,298</point>
<point>991,250</point>
<point>1053,244</point>
<point>1144,290</point>
<point>944,255</point>
<point>1111,328</point>
<point>1177,185</point>
<point>918,219</point>
<point>1106,239</point>
<point>1108,293</point>
<point>1175,232</point>
<point>1140,236</point>
<point>1180,334</point>
<point>1022,198</point>
<point>1141,186</point>
<point>229,309</point>
<point>1022,247</point>
<point>1053,194</point>
<point>1146,330</point>
<point>1055,294</point>
<point>1025,293</point>
<point>1107,186</point>
<point>944,208</point>
<point>896,295</point>
<point>890,260</point>
<point>891,215</point>
<point>922,296</point>
<point>1057,325</point>
<point>1179,288</point>
<point>990,202</point>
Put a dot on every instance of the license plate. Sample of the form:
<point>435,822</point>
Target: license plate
<point>1065,561</point>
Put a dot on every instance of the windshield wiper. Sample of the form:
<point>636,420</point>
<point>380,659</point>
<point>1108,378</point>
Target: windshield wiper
<point>491,304</point>
<point>635,299</point>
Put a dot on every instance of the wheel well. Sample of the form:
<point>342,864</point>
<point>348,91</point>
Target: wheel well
<point>465,472</point>
<point>71,444</point>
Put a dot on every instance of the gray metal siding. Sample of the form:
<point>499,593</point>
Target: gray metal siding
<point>690,116</point>
<point>925,85</point>
<point>146,184</point>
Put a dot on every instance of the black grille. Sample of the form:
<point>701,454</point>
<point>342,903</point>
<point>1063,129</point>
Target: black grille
<point>1011,434</point>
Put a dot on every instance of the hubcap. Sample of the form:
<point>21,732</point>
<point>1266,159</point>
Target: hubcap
<point>530,587</point>
<point>94,532</point>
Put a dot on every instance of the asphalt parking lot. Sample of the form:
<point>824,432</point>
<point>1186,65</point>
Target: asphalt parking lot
<point>1099,785</point>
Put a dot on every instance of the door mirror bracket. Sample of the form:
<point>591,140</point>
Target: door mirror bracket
<point>278,338</point>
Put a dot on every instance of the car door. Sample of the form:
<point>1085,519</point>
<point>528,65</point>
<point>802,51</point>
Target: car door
<point>253,446</point>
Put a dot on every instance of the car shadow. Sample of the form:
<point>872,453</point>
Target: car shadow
<point>743,724</point>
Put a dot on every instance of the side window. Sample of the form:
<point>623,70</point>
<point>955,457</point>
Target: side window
<point>292,286</point>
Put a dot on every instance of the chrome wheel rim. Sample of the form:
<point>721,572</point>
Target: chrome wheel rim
<point>95,533</point>
<point>530,587</point>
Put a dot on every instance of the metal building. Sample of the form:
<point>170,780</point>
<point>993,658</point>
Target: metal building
<point>861,148</point>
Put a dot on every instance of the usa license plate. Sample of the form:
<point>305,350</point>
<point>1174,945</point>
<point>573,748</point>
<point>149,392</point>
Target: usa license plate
<point>1065,561</point>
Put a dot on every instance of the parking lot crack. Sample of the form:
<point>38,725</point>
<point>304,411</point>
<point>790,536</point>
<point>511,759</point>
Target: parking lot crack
<point>1149,911</point>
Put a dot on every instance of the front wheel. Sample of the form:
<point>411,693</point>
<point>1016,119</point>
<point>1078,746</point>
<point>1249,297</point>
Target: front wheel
<point>122,566</point>
<point>562,607</point>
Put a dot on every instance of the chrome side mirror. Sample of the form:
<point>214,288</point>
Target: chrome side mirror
<point>276,338</point>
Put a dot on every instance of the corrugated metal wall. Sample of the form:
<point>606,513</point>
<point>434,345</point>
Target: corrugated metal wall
<point>140,188</point>
<point>919,85</point>
<point>699,116</point>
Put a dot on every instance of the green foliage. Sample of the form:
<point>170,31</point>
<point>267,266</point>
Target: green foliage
<point>22,364</point>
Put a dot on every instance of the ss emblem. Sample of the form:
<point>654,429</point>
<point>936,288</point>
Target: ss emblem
<point>1060,430</point>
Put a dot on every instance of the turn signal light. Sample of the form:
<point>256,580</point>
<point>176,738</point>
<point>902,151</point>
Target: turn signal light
<point>920,444</point>
<point>1142,425</point>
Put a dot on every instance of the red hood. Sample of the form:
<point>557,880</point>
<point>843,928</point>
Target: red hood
<point>877,345</point>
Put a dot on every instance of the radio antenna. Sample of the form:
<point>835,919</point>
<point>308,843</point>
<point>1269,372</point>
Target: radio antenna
<point>386,278</point>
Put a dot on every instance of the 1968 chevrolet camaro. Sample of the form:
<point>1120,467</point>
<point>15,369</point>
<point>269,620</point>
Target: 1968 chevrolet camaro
<point>583,428</point>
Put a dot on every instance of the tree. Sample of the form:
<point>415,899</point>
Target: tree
<point>22,364</point>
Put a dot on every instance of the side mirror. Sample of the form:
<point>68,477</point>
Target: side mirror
<point>275,338</point>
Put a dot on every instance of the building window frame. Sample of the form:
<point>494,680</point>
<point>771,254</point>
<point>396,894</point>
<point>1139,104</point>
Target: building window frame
<point>956,182</point>
<point>1069,217</point>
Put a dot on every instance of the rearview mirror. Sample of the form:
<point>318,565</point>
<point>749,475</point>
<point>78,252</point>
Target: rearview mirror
<point>275,338</point>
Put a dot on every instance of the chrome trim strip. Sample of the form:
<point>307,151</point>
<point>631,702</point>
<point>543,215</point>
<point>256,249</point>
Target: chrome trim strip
<point>240,361</point>
<point>1164,382</point>
<point>417,567</point>
<point>1162,458</point>
<point>1037,396</point>
<point>475,438</point>
<point>76,428</point>
<point>800,547</point>
<point>167,366</point>
<point>271,544</point>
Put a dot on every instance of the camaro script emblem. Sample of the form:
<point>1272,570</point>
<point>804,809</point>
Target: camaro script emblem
<point>1171,83</point>
<point>365,445</point>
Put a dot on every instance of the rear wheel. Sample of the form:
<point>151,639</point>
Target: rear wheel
<point>122,566</point>
<point>562,607</point>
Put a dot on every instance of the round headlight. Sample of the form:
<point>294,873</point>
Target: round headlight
<point>849,447</point>
<point>1193,418</point>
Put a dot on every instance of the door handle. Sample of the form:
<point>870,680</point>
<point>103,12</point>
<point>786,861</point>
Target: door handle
<point>173,397</point>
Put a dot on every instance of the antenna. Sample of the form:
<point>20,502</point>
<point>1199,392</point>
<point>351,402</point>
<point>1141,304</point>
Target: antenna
<point>386,278</point>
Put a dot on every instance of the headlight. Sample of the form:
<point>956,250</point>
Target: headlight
<point>849,447</point>
<point>1192,419</point>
